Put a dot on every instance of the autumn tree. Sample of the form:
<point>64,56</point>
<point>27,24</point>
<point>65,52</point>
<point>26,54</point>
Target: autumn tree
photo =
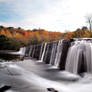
<point>8,33</point>
<point>2,31</point>
<point>7,43</point>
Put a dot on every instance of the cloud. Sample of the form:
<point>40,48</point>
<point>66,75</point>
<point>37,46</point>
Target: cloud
<point>49,14</point>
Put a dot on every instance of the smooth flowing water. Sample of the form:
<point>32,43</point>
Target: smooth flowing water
<point>43,52</point>
<point>58,54</point>
<point>79,57</point>
<point>31,75</point>
<point>53,53</point>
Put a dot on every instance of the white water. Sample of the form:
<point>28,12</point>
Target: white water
<point>33,51</point>
<point>42,46</point>
<point>58,53</point>
<point>30,51</point>
<point>27,78</point>
<point>20,52</point>
<point>53,53</point>
<point>78,50</point>
<point>43,52</point>
<point>79,55</point>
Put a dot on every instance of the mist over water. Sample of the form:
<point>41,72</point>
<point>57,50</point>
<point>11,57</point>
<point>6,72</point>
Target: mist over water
<point>32,76</point>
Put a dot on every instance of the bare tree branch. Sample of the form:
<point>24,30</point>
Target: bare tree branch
<point>89,21</point>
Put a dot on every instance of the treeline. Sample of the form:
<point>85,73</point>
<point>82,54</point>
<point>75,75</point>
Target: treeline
<point>14,38</point>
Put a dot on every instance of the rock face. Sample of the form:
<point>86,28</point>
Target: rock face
<point>33,51</point>
<point>37,51</point>
<point>54,53</point>
<point>73,55</point>
<point>66,44</point>
<point>48,53</point>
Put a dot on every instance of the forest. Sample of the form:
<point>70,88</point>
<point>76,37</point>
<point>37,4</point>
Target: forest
<point>13,38</point>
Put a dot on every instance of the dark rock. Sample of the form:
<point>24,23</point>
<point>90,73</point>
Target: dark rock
<point>9,57</point>
<point>65,47</point>
<point>48,53</point>
<point>52,90</point>
<point>37,52</point>
<point>4,88</point>
<point>82,67</point>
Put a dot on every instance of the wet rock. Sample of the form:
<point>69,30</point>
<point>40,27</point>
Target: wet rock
<point>52,90</point>
<point>65,47</point>
<point>48,53</point>
<point>4,88</point>
<point>37,52</point>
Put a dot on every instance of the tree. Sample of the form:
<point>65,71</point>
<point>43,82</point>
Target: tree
<point>8,34</point>
<point>84,28</point>
<point>7,43</point>
<point>89,21</point>
<point>4,42</point>
<point>2,32</point>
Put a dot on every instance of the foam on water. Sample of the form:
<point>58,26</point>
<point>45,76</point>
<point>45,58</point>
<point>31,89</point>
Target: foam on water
<point>78,86</point>
<point>82,85</point>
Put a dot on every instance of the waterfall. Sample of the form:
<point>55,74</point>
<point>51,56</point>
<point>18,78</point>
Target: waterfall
<point>58,53</point>
<point>43,52</point>
<point>79,57</point>
<point>73,55</point>
<point>22,51</point>
<point>53,53</point>
<point>33,52</point>
<point>30,50</point>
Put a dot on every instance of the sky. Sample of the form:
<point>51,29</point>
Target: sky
<point>52,15</point>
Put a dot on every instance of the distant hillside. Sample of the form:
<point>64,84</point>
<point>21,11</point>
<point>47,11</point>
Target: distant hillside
<point>17,37</point>
<point>38,35</point>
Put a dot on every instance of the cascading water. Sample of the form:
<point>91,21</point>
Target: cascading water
<point>22,51</point>
<point>74,56</point>
<point>79,57</point>
<point>43,52</point>
<point>30,51</point>
<point>33,51</point>
<point>53,53</point>
<point>47,54</point>
<point>58,53</point>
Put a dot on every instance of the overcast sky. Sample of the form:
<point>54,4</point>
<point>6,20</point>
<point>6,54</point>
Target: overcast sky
<point>55,15</point>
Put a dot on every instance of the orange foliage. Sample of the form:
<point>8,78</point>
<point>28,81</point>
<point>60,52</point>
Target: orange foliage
<point>41,35</point>
<point>2,32</point>
<point>8,34</point>
<point>68,35</point>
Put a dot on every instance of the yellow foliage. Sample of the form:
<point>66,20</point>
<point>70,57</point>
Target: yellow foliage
<point>2,32</point>
<point>8,34</point>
